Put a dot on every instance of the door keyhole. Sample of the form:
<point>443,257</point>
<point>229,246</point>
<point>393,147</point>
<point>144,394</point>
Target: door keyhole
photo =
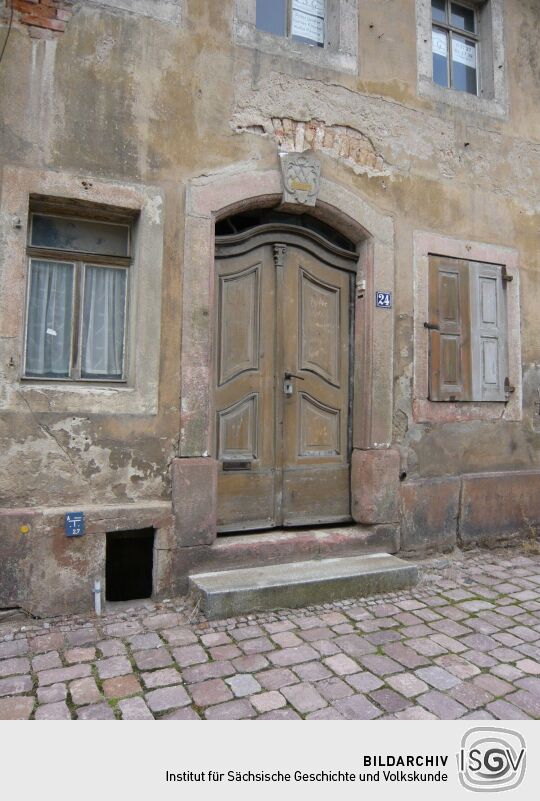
<point>288,386</point>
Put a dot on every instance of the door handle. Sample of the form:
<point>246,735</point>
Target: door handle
<point>293,375</point>
<point>288,387</point>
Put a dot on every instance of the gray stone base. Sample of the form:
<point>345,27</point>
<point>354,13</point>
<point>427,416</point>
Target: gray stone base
<point>233,592</point>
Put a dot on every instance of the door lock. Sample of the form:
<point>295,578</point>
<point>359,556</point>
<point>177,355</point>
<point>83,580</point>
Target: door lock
<point>288,387</point>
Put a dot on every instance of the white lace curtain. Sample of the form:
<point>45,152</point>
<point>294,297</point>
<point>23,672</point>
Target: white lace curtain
<point>48,347</point>
<point>103,323</point>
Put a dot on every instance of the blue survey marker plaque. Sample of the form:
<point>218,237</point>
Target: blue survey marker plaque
<point>74,524</point>
<point>383,300</point>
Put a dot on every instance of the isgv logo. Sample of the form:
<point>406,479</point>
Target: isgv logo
<point>491,760</point>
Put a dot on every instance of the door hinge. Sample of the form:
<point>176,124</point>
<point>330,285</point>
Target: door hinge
<point>505,276</point>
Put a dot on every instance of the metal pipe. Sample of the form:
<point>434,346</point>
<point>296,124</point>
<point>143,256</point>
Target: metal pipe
<point>97,596</point>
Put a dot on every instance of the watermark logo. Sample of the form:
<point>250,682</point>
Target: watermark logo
<point>491,760</point>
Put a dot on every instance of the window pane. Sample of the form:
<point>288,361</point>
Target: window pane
<point>48,338</point>
<point>462,17</point>
<point>464,64</point>
<point>81,236</point>
<point>439,46</point>
<point>307,23</point>
<point>271,16</point>
<point>102,353</point>
<point>438,10</point>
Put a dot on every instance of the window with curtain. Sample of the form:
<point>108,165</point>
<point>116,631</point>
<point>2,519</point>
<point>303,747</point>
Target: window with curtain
<point>455,43</point>
<point>301,20</point>
<point>77,297</point>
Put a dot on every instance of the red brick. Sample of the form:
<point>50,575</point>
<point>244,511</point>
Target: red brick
<point>21,5</point>
<point>36,10</point>
<point>43,22</point>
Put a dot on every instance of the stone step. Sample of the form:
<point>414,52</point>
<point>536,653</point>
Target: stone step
<point>294,545</point>
<point>228,593</point>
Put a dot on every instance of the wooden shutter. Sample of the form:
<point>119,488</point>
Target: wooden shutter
<point>488,332</point>
<point>449,330</point>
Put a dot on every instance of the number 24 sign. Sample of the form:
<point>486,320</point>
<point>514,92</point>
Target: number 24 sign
<point>383,300</point>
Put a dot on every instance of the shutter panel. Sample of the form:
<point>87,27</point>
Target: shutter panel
<point>488,332</point>
<point>449,320</point>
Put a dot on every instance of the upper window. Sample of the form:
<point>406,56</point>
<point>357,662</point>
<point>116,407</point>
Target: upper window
<point>78,278</point>
<point>323,33</point>
<point>461,54</point>
<point>455,40</point>
<point>302,20</point>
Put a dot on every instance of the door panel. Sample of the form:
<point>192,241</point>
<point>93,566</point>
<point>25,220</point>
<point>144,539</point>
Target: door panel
<point>316,415</point>
<point>238,428</point>
<point>244,401</point>
<point>284,458</point>
<point>319,327</point>
<point>319,428</point>
<point>238,306</point>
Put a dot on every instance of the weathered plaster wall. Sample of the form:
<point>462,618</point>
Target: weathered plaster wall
<point>159,95</point>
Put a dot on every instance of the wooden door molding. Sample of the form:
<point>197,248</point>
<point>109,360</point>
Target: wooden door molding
<point>284,307</point>
<point>210,199</point>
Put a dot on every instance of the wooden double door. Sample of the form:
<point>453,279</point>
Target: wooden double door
<point>282,378</point>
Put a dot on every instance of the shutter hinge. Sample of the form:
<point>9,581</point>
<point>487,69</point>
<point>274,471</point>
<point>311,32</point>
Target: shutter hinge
<point>431,327</point>
<point>508,388</point>
<point>505,277</point>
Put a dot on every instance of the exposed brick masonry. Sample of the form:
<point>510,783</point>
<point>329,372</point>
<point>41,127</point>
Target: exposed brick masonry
<point>339,141</point>
<point>44,18</point>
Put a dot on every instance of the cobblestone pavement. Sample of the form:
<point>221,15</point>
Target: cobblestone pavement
<point>465,643</point>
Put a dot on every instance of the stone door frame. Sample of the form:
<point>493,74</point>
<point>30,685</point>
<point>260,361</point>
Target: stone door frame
<point>209,200</point>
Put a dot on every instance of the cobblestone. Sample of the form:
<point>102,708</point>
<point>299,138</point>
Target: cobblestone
<point>134,709</point>
<point>243,684</point>
<point>115,666</point>
<point>52,694</point>
<point>464,643</point>
<point>265,702</point>
<point>121,686</point>
<point>303,697</point>
<point>167,698</point>
<point>9,667</point>
<point>210,693</point>
<point>58,711</point>
<point>231,710</point>
<point>17,708</point>
<point>84,691</point>
<point>152,659</point>
<point>95,712</point>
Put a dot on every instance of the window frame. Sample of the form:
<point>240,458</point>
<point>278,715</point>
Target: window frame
<point>467,327</point>
<point>288,26</point>
<point>452,30</point>
<point>492,96</point>
<point>340,51</point>
<point>426,243</point>
<point>80,261</point>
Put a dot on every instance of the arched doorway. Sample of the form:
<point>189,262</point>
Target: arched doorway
<point>283,367</point>
<point>375,466</point>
